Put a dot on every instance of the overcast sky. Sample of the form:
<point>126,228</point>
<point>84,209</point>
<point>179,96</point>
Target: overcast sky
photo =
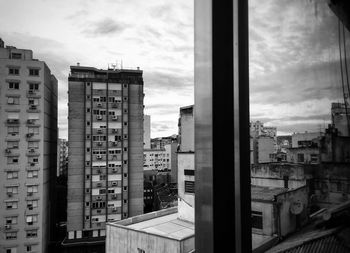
<point>293,52</point>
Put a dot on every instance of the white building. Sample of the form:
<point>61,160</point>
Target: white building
<point>28,136</point>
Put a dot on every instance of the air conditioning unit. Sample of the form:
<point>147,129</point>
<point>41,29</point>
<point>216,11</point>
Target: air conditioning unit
<point>7,227</point>
<point>8,151</point>
<point>30,121</point>
<point>99,143</point>
<point>115,105</point>
<point>33,107</point>
<point>99,184</point>
<point>32,150</point>
<point>114,117</point>
<point>12,121</point>
<point>30,207</point>
<point>9,194</point>
<point>114,130</point>
<point>114,197</point>
<point>32,164</point>
<point>99,171</point>
<point>114,183</point>
<point>98,198</point>
<point>99,104</point>
<point>29,135</point>
<point>115,143</point>
<point>29,194</point>
<point>99,157</point>
<point>31,92</point>
<point>99,117</point>
<point>99,131</point>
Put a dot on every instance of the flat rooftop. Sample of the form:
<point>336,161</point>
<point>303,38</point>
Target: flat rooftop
<point>265,193</point>
<point>164,223</point>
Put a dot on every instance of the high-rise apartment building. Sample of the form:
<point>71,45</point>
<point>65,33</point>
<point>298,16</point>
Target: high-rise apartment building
<point>62,157</point>
<point>105,165</point>
<point>28,136</point>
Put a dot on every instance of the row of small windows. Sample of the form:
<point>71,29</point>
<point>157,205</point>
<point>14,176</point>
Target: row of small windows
<point>15,101</point>
<point>15,129</point>
<point>33,233</point>
<point>10,190</point>
<point>14,85</point>
<point>14,174</point>
<point>15,71</point>
<point>15,160</point>
<point>15,144</point>
<point>31,204</point>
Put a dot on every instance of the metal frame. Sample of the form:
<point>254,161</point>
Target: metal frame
<point>222,204</point>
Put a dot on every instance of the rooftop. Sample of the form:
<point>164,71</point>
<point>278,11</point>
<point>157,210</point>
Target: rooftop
<point>265,193</point>
<point>164,223</point>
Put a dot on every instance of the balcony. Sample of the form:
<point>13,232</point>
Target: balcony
<point>114,144</point>
<point>115,105</point>
<point>115,131</point>
<point>99,144</point>
<point>32,152</point>
<point>10,152</point>
<point>114,157</point>
<point>32,122</point>
<point>33,108</point>
<point>99,157</point>
<point>12,121</point>
<point>99,131</point>
<point>33,94</point>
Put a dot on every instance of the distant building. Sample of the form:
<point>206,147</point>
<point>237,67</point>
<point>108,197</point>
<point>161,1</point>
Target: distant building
<point>278,211</point>
<point>146,131</point>
<point>28,136</point>
<point>186,129</point>
<point>62,157</point>
<point>303,139</point>
<point>105,176</point>
<point>340,119</point>
<point>257,128</point>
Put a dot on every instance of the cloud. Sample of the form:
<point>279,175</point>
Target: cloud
<point>105,26</point>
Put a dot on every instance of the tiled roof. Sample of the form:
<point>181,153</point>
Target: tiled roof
<point>331,240</point>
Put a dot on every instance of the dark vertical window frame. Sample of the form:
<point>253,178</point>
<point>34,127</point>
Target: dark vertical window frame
<point>223,208</point>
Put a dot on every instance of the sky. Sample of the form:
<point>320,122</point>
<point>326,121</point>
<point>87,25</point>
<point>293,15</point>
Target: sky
<point>294,59</point>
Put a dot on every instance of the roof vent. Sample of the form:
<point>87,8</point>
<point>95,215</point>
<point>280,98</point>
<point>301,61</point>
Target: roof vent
<point>78,64</point>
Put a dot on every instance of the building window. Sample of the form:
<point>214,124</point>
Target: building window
<point>32,233</point>
<point>33,101</point>
<point>87,109</point>
<point>16,56</point>
<point>13,71</point>
<point>33,86</point>
<point>300,158</point>
<point>12,130</point>
<point>12,144</point>
<point>11,236</point>
<point>32,189</point>
<point>188,172</point>
<point>34,72</point>
<point>29,248</point>
<point>33,144</point>
<point>12,160</point>
<point>33,130</point>
<point>11,205</point>
<point>32,174</point>
<point>257,220</point>
<point>11,220</point>
<point>12,175</point>
<point>32,204</point>
<point>30,219</point>
<point>14,85</point>
<point>189,186</point>
<point>13,100</point>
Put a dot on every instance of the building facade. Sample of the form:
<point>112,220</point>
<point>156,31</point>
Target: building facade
<point>147,132</point>
<point>28,133</point>
<point>105,172</point>
<point>62,157</point>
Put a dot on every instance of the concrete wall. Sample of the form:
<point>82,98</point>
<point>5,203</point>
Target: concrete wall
<point>147,131</point>
<point>307,136</point>
<point>186,200</point>
<point>290,222</point>
<point>269,227</point>
<point>186,130</point>
<point>292,155</point>
<point>265,147</point>
<point>76,157</point>
<point>135,172</point>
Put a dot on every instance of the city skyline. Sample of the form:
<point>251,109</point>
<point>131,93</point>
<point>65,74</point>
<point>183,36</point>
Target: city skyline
<point>157,36</point>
